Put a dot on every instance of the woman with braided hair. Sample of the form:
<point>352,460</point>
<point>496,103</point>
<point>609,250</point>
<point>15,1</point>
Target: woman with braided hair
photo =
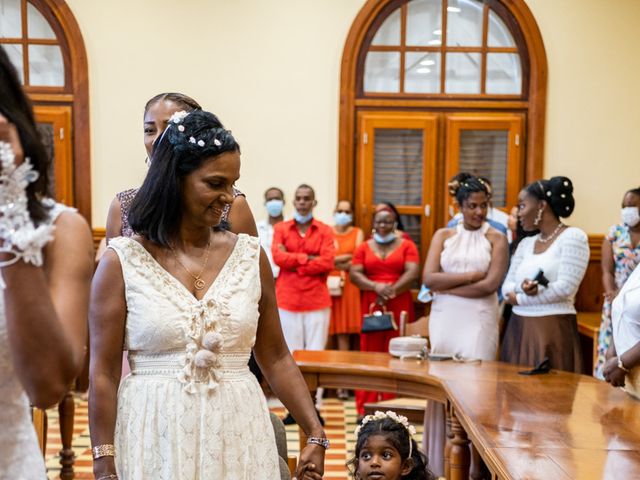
<point>464,268</point>
<point>189,300</point>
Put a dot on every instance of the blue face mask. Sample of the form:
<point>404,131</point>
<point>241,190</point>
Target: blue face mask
<point>341,218</point>
<point>390,237</point>
<point>302,218</point>
<point>274,207</point>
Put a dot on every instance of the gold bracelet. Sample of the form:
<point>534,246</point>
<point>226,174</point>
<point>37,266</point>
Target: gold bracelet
<point>106,450</point>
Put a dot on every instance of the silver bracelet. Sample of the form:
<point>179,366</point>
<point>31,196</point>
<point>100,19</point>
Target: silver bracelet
<point>323,442</point>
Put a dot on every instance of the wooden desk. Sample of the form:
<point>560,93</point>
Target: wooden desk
<point>560,426</point>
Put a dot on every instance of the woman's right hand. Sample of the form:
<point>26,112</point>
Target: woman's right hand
<point>610,295</point>
<point>104,466</point>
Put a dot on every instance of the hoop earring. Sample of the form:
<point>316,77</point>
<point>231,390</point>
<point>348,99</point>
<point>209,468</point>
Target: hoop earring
<point>536,222</point>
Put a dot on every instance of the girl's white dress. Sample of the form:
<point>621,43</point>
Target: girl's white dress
<point>191,409</point>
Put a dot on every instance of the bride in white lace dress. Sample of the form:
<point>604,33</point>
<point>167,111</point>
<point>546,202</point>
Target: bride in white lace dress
<point>189,302</point>
<point>44,286</point>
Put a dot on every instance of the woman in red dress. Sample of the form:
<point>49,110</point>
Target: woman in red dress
<point>384,268</point>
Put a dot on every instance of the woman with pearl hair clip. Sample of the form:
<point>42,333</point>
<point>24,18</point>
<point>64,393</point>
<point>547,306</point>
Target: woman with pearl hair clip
<point>543,279</point>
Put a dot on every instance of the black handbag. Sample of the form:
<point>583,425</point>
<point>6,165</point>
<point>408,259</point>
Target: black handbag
<point>378,321</point>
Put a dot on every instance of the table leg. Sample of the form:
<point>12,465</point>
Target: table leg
<point>66,410</point>
<point>448,442</point>
<point>460,454</point>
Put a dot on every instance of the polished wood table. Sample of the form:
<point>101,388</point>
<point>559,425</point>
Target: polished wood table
<point>555,426</point>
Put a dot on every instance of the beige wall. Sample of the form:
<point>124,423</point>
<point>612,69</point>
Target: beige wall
<point>270,69</point>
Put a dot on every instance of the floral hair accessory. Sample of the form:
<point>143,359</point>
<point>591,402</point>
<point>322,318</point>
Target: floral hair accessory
<point>217,142</point>
<point>178,117</point>
<point>201,143</point>
<point>181,128</point>
<point>192,140</point>
<point>401,419</point>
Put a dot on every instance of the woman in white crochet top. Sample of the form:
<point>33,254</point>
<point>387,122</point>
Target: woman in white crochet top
<point>543,279</point>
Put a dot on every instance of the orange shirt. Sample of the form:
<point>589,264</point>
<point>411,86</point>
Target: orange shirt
<point>302,283</point>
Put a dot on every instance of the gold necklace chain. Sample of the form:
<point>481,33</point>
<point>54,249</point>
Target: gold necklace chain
<point>198,283</point>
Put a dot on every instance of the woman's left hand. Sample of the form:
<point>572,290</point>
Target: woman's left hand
<point>612,373</point>
<point>311,464</point>
<point>511,298</point>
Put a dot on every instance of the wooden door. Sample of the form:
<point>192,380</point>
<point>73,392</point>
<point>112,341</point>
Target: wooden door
<point>54,123</point>
<point>396,163</point>
<point>487,145</point>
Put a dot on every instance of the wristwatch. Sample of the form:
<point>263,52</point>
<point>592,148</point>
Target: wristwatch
<point>621,365</point>
<point>323,442</point>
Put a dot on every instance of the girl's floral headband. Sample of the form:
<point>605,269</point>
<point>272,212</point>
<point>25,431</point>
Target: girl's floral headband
<point>177,119</point>
<point>402,420</point>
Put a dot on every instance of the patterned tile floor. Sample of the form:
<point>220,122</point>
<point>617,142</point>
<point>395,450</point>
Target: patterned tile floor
<point>340,417</point>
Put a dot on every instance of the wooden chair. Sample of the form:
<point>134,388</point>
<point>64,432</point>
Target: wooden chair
<point>412,408</point>
<point>39,418</point>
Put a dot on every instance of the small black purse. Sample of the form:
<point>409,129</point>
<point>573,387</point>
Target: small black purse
<point>378,321</point>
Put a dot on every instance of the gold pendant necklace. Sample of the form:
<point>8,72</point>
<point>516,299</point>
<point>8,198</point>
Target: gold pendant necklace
<point>198,283</point>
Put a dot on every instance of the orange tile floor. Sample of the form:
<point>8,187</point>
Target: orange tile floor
<point>340,417</point>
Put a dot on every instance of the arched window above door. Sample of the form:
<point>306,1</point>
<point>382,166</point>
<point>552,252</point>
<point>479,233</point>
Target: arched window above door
<point>430,88</point>
<point>440,47</point>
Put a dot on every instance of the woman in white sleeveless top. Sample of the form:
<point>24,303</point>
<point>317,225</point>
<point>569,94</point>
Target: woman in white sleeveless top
<point>189,300</point>
<point>464,268</point>
<point>47,260</point>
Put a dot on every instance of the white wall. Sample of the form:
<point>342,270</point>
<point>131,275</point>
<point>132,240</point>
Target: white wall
<point>270,70</point>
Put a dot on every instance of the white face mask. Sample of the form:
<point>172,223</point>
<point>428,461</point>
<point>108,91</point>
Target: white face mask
<point>630,216</point>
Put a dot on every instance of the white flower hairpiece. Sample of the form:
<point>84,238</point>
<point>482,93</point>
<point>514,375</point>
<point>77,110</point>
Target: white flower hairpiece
<point>178,116</point>
<point>217,142</point>
<point>401,419</point>
<point>201,143</point>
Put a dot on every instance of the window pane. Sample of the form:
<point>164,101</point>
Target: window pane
<point>10,24</point>
<point>484,153</point>
<point>46,134</point>
<point>463,73</point>
<point>389,31</point>
<point>422,72</point>
<point>412,225</point>
<point>382,72</point>
<point>464,23</point>
<point>424,22</point>
<point>45,66</point>
<point>397,166</point>
<point>504,75</point>
<point>498,35</point>
<point>37,25</point>
<point>14,52</point>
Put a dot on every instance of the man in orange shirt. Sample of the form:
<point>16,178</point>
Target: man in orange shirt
<point>304,249</point>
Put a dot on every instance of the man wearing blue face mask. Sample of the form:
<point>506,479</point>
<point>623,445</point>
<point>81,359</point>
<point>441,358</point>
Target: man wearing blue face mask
<point>304,249</point>
<point>274,203</point>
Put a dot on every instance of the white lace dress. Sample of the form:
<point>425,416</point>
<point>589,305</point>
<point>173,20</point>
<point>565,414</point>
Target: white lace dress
<point>191,409</point>
<point>20,455</point>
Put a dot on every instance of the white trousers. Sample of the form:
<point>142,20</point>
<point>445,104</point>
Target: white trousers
<point>306,331</point>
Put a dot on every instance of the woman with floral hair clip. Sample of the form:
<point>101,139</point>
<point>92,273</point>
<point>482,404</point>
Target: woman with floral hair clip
<point>189,300</point>
<point>386,450</point>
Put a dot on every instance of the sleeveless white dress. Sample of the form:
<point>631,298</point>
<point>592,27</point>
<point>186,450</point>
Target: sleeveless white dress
<point>189,410</point>
<point>465,326</point>
<point>20,455</point>
<point>460,326</point>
